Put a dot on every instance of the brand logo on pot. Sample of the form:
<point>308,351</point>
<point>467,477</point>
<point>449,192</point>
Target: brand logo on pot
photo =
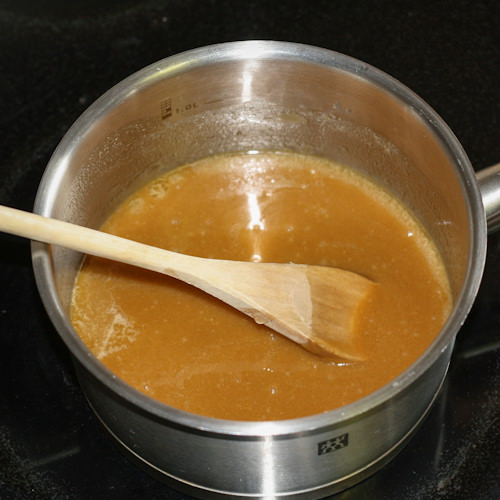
<point>333,444</point>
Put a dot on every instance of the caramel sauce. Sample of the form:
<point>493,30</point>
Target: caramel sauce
<point>187,349</point>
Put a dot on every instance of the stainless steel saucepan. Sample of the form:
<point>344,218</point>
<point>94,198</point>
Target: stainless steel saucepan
<point>251,96</point>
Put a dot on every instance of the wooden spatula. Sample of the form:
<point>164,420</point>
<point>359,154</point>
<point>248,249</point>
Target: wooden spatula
<point>314,306</point>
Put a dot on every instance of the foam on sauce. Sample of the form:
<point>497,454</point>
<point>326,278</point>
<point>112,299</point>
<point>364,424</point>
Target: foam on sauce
<point>189,350</point>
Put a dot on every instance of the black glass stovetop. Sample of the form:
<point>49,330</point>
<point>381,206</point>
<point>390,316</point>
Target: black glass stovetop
<point>56,57</point>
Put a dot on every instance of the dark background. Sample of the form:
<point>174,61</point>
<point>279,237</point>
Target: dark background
<point>56,57</point>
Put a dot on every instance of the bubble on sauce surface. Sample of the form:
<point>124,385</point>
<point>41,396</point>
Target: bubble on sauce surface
<point>118,332</point>
<point>136,206</point>
<point>158,190</point>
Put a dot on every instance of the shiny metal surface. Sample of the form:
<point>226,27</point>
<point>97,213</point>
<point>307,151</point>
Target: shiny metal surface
<point>270,458</point>
<point>260,95</point>
<point>489,183</point>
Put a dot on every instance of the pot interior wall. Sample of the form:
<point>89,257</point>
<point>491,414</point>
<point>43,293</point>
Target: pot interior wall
<point>162,123</point>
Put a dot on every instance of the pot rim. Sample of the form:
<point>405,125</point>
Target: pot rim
<point>246,50</point>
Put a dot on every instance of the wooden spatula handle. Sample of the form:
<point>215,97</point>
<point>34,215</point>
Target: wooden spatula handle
<point>89,241</point>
